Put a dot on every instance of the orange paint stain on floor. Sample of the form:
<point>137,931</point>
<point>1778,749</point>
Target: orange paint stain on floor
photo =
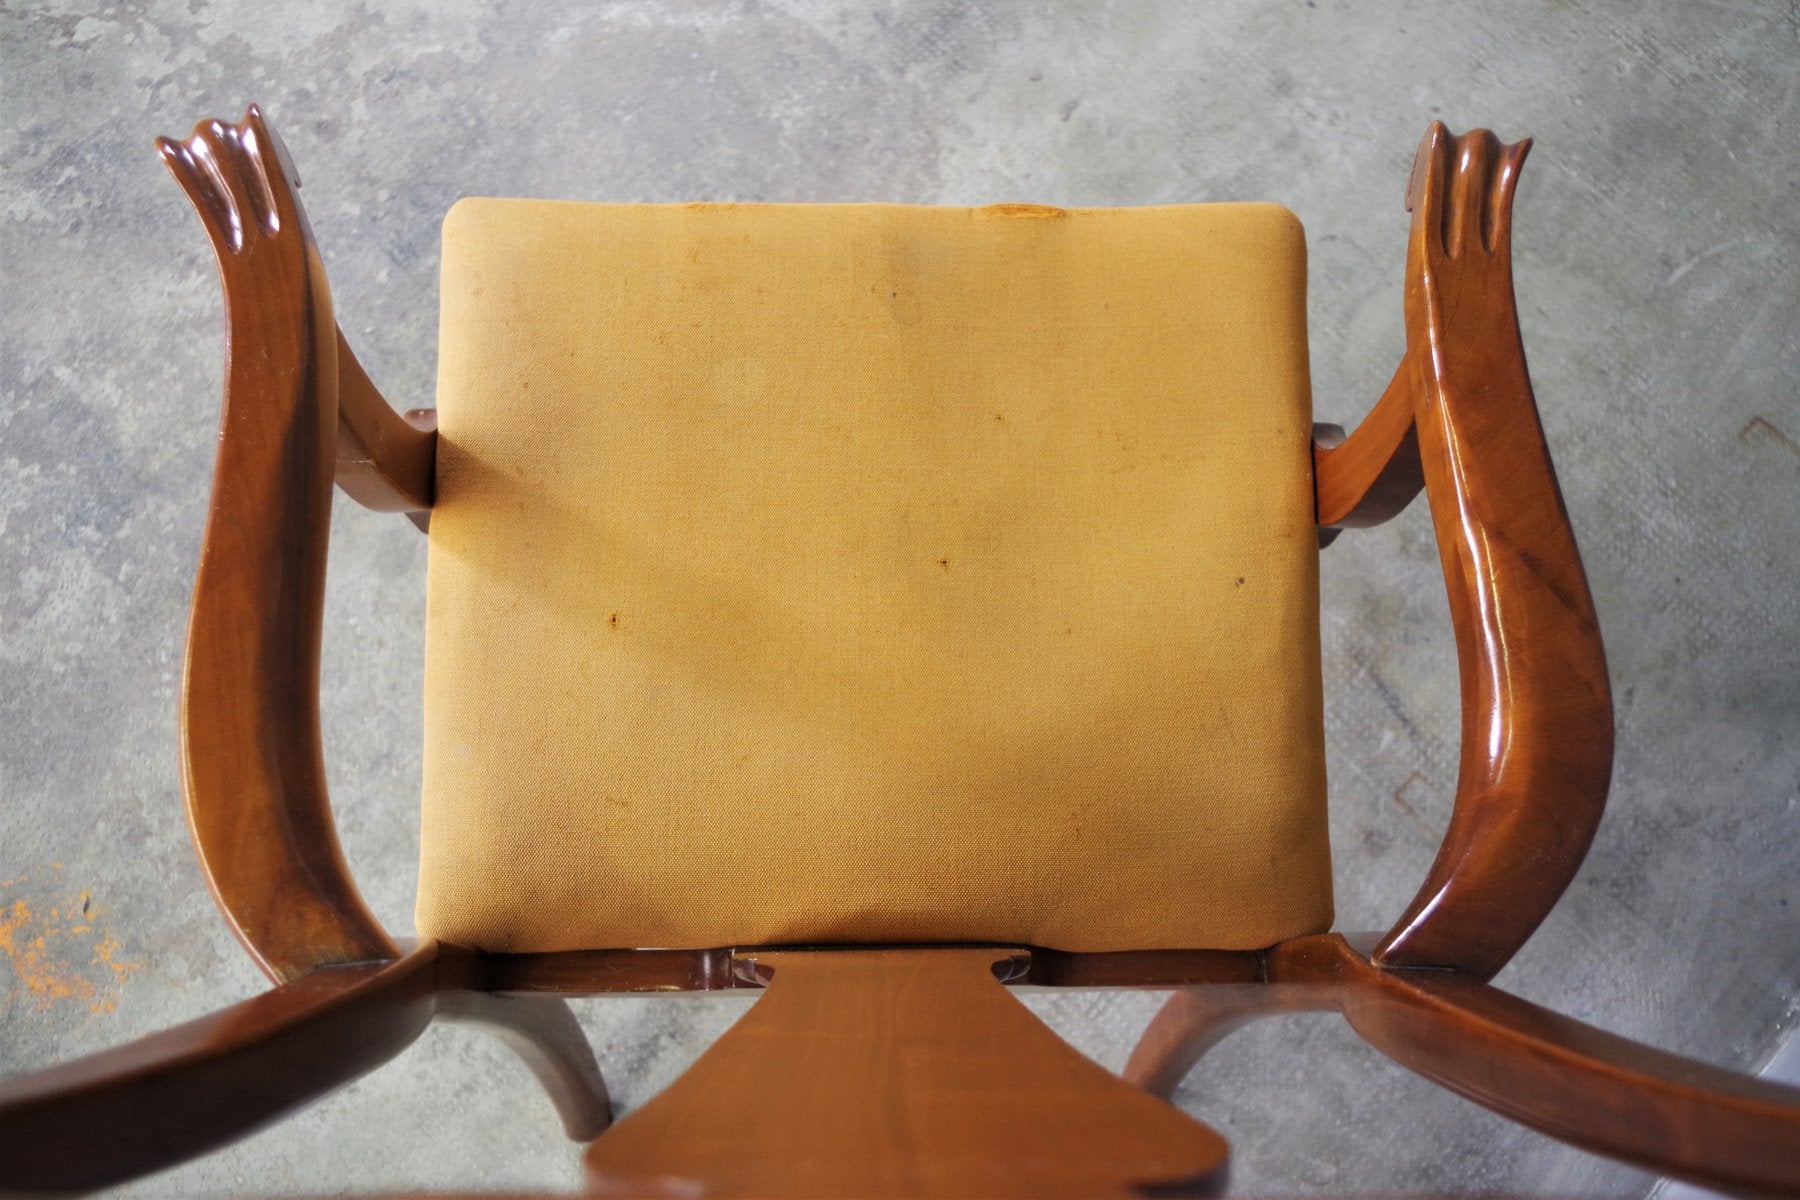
<point>53,952</point>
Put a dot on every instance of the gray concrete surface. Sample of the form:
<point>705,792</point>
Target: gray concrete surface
<point>1656,257</point>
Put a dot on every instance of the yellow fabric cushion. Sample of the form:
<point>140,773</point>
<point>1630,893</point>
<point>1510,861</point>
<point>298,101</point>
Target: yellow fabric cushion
<point>825,573</point>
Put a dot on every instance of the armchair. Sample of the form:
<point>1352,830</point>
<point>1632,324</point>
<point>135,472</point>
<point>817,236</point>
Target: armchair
<point>1014,683</point>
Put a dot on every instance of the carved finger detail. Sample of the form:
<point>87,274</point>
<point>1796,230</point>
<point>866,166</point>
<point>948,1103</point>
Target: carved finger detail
<point>1461,191</point>
<point>239,179</point>
<point>1537,724</point>
<point>253,764</point>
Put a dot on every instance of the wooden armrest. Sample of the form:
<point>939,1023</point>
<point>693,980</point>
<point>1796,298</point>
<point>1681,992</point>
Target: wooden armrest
<point>1558,1075</point>
<point>1537,732</point>
<point>173,1095</point>
<point>253,766</point>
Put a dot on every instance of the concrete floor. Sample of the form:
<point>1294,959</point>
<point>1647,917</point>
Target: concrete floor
<point>1656,248</point>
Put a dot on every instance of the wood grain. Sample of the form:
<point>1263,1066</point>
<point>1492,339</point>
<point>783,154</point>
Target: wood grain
<point>898,1073</point>
<point>253,768</point>
<point>1195,1019</point>
<point>1537,731</point>
<point>548,1040</point>
<point>1375,472</point>
<point>159,1100</point>
<point>384,461</point>
<point>1562,1077</point>
<point>1593,1089</point>
<point>904,1071</point>
<point>606,972</point>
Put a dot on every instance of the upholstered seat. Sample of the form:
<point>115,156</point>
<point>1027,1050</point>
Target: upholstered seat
<point>871,573</point>
<point>874,574</point>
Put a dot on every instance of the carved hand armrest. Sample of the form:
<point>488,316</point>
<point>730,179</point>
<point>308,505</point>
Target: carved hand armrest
<point>253,767</point>
<point>1537,731</point>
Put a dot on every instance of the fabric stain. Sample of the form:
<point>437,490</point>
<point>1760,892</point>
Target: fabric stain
<point>1030,211</point>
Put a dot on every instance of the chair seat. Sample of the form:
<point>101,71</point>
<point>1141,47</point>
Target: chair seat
<point>871,573</point>
<point>903,1073</point>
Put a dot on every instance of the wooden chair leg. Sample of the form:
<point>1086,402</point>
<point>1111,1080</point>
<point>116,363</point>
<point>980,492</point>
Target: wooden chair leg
<point>173,1095</point>
<point>1194,1020</point>
<point>545,1034</point>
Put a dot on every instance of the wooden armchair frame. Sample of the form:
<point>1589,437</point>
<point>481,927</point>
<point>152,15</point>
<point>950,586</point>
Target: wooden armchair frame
<point>1458,419</point>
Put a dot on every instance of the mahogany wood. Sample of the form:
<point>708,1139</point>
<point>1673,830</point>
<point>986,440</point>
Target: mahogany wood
<point>151,1103</point>
<point>603,972</point>
<point>899,1073</point>
<point>1375,472</point>
<point>548,1039</point>
<point>1195,1019</point>
<point>253,768</point>
<point>1560,1076</point>
<point>1537,731</point>
<point>298,411</point>
<point>384,461</point>
<point>1459,416</point>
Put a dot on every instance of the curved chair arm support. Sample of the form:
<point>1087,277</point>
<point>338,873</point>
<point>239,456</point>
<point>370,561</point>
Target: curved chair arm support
<point>1195,1019</point>
<point>1374,473</point>
<point>384,461</point>
<point>175,1095</point>
<point>1561,1077</point>
<point>1537,732</point>
<point>1558,1075</point>
<point>543,1032</point>
<point>253,767</point>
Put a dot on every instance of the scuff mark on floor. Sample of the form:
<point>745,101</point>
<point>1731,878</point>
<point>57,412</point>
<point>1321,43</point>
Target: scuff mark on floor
<point>1765,428</point>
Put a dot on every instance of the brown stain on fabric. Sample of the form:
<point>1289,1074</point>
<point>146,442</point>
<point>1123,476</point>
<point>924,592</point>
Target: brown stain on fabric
<point>1030,211</point>
<point>53,952</point>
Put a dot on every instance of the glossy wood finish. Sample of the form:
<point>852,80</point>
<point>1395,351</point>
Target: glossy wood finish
<point>903,1071</point>
<point>253,768</point>
<point>604,972</point>
<point>176,1094</point>
<point>1562,1077</point>
<point>899,1073</point>
<point>299,411</point>
<point>1459,416</point>
<point>609,972</point>
<point>1537,731</point>
<point>384,461</point>
<point>548,1040</point>
<point>1375,472</point>
<point>1195,1019</point>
